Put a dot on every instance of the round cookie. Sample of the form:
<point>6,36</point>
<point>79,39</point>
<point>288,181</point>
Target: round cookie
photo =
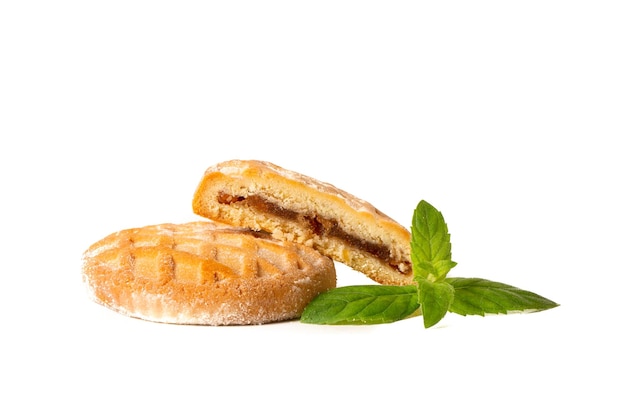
<point>204,273</point>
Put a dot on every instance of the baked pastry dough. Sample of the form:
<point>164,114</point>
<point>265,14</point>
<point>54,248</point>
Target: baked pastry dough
<point>296,208</point>
<point>204,273</point>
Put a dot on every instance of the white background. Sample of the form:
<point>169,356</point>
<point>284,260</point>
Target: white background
<point>507,116</point>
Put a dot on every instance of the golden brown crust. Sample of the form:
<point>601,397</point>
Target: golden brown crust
<point>294,207</point>
<point>203,273</point>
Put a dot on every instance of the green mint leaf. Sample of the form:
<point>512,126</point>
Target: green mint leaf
<point>435,299</point>
<point>362,304</point>
<point>477,296</point>
<point>431,253</point>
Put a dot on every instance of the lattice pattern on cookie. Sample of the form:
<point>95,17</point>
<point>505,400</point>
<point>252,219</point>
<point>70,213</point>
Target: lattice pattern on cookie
<point>197,252</point>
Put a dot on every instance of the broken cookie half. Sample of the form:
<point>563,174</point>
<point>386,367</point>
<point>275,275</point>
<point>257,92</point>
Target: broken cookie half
<point>293,207</point>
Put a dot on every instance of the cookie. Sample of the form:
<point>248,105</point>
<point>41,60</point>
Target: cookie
<point>296,208</point>
<point>204,273</point>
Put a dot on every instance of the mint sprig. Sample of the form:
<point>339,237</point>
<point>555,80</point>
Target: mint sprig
<point>362,304</point>
<point>477,296</point>
<point>431,256</point>
<point>435,299</point>
<point>431,251</point>
<point>434,292</point>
